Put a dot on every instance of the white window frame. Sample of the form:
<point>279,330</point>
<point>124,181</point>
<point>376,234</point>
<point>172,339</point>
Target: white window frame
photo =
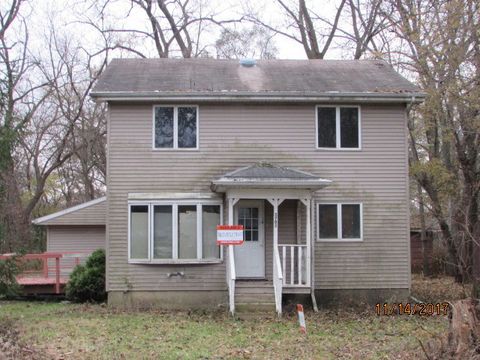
<point>174,204</point>
<point>337,128</point>
<point>340,237</point>
<point>175,128</point>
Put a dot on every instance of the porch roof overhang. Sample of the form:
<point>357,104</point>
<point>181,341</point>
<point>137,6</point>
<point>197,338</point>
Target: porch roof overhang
<point>268,176</point>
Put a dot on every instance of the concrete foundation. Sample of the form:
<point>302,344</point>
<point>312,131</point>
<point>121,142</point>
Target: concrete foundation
<point>169,300</point>
<point>359,297</point>
<point>211,300</point>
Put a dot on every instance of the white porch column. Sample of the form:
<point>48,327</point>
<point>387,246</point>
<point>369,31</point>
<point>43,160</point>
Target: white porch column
<point>275,223</point>
<point>231,204</point>
<point>230,211</point>
<point>308,233</point>
<point>231,274</point>
<point>309,242</point>
<point>275,203</point>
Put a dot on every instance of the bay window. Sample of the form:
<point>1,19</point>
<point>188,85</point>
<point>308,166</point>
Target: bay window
<point>174,231</point>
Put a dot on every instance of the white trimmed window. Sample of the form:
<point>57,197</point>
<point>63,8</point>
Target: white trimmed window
<point>175,127</point>
<point>181,231</point>
<point>340,222</point>
<point>338,127</point>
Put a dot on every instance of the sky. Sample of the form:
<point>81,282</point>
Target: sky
<point>70,17</point>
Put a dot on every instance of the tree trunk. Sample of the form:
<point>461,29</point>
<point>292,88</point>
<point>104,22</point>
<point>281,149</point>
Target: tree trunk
<point>423,234</point>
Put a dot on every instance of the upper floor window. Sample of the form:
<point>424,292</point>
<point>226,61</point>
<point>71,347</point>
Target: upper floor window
<point>176,127</point>
<point>166,231</point>
<point>338,127</point>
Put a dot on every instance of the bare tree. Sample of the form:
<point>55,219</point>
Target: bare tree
<point>20,100</point>
<point>354,25</point>
<point>43,101</point>
<point>438,41</point>
<point>175,27</point>
<point>255,43</point>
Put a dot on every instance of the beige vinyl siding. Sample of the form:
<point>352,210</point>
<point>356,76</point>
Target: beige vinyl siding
<point>91,215</point>
<point>232,136</point>
<point>68,238</point>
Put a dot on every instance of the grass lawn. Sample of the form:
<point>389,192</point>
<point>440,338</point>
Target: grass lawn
<point>69,331</point>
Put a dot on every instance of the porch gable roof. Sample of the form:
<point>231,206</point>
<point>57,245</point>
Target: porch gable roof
<point>265,175</point>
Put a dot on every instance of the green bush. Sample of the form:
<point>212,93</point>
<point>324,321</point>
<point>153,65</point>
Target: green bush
<point>9,269</point>
<point>87,282</point>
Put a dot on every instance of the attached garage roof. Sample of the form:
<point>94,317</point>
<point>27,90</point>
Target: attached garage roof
<point>265,175</point>
<point>90,213</point>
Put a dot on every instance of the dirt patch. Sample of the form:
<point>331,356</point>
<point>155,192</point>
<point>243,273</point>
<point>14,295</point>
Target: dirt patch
<point>11,347</point>
<point>438,289</point>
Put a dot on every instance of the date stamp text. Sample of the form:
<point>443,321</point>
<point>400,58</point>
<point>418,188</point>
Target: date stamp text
<point>420,309</point>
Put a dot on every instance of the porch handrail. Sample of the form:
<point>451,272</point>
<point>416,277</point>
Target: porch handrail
<point>277,280</point>
<point>296,276</point>
<point>231,277</point>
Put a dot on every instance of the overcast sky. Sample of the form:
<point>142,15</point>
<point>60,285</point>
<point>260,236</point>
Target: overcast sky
<point>67,15</point>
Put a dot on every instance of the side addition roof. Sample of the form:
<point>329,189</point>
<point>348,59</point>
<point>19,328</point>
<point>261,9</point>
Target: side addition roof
<point>93,212</point>
<point>265,175</point>
<point>267,80</point>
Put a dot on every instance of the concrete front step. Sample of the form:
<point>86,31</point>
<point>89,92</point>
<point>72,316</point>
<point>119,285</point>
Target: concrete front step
<point>254,299</point>
<point>254,296</point>
<point>254,307</point>
<point>253,283</point>
<point>254,290</point>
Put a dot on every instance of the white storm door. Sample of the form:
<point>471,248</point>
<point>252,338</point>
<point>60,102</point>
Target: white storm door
<point>250,256</point>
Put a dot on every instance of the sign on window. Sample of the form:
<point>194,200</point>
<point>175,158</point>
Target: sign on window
<point>229,234</point>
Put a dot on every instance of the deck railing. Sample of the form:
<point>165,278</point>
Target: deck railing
<point>231,277</point>
<point>49,268</point>
<point>295,263</point>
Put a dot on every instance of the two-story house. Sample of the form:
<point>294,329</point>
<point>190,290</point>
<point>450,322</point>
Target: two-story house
<point>310,156</point>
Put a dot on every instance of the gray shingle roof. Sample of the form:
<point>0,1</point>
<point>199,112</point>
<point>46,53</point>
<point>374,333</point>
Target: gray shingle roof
<point>267,175</point>
<point>161,77</point>
<point>268,171</point>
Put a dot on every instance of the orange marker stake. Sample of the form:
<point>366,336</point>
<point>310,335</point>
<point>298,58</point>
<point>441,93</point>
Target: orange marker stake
<point>301,319</point>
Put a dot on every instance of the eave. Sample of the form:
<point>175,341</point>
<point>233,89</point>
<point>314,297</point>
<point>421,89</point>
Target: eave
<point>272,97</point>
<point>222,184</point>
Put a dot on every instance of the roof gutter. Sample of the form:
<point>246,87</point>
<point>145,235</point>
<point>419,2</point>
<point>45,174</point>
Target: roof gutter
<point>289,98</point>
<point>222,183</point>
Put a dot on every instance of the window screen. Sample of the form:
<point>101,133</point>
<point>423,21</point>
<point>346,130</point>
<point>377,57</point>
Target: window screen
<point>326,118</point>
<point>164,127</point>
<point>187,232</point>
<point>187,127</point>
<point>351,221</point>
<point>162,232</point>
<point>210,220</point>
<point>139,232</point>
<point>349,127</point>
<point>327,221</point>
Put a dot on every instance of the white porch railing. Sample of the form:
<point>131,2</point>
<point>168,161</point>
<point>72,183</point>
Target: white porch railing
<point>295,260</point>
<point>278,280</point>
<point>231,276</point>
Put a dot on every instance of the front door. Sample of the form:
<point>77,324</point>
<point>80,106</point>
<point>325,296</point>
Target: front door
<point>250,256</point>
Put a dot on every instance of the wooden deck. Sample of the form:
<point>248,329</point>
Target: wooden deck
<point>46,273</point>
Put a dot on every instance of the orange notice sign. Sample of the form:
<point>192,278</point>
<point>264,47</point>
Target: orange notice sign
<point>229,234</point>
